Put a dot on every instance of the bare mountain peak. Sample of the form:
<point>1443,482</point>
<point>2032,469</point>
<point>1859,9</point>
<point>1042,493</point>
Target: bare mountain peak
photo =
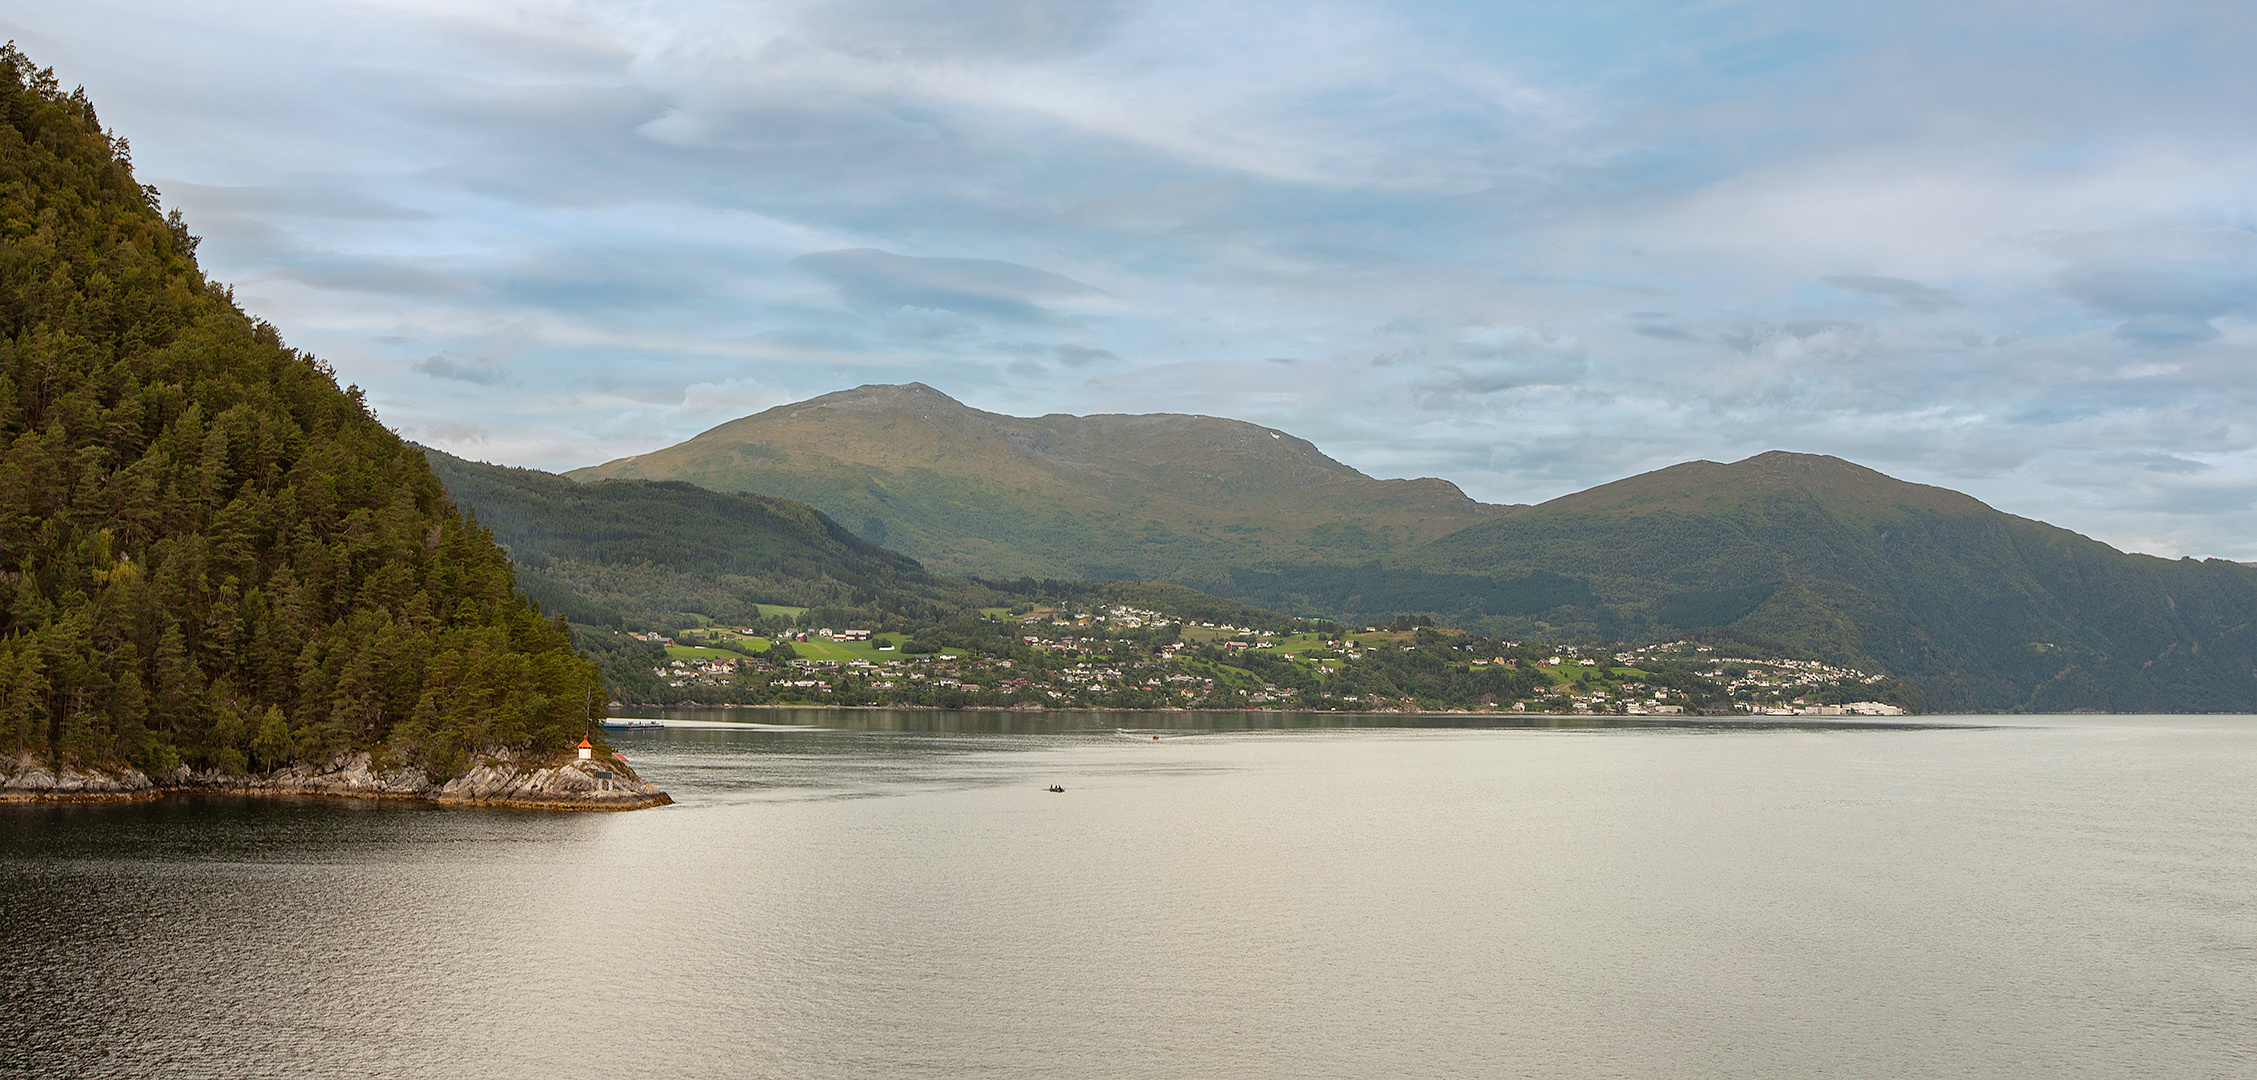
<point>1058,495</point>
<point>881,397</point>
<point>916,419</point>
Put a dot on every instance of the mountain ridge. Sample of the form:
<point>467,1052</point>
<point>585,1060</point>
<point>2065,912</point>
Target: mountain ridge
<point>1979,609</point>
<point>1680,486</point>
<point>1108,495</point>
<point>1982,609</point>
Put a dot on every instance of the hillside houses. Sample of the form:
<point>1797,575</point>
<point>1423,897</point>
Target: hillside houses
<point>1122,657</point>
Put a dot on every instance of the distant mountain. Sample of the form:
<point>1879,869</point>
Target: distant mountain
<point>1977,608</point>
<point>1161,496</point>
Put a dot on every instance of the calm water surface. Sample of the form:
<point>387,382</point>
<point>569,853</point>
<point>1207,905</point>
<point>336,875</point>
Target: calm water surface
<point>896,895</point>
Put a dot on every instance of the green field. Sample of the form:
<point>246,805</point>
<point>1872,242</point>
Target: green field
<point>806,650</point>
<point>812,649</point>
<point>1577,673</point>
<point>698,652</point>
<point>772,610</point>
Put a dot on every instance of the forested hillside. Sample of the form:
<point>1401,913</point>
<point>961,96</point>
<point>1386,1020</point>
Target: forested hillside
<point>1975,608</point>
<point>647,552</point>
<point>212,554</point>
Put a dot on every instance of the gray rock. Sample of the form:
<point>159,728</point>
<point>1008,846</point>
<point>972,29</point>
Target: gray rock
<point>497,780</point>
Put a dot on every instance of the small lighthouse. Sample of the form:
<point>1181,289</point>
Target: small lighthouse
<point>587,749</point>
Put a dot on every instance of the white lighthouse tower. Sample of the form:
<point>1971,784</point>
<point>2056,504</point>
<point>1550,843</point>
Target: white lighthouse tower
<point>587,749</point>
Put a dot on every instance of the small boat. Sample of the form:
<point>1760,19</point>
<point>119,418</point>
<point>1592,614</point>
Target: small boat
<point>1055,789</point>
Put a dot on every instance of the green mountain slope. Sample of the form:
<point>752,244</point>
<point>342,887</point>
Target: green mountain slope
<point>621,556</point>
<point>643,551</point>
<point>213,555</point>
<point>649,551</point>
<point>1978,609</point>
<point>1180,498</point>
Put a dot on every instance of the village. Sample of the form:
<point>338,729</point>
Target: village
<point>1118,656</point>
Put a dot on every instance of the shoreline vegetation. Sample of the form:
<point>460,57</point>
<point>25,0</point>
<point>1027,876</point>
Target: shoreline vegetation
<point>1407,709</point>
<point>501,781</point>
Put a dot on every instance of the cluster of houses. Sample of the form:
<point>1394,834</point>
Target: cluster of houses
<point>1107,677</point>
<point>1774,686</point>
<point>1117,617</point>
<point>824,634</point>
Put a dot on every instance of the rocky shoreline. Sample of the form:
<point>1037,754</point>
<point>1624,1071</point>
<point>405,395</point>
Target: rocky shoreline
<point>499,780</point>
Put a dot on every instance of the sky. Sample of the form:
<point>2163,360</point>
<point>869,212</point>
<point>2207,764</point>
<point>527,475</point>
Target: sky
<point>2005,247</point>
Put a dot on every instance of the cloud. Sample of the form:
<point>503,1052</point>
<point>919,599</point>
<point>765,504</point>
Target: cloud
<point>1660,332</point>
<point>929,326</point>
<point>1501,342</point>
<point>1005,29</point>
<point>1500,372</point>
<point>2165,302</point>
<point>1911,294</point>
<point>554,44</point>
<point>475,371</point>
<point>310,195</point>
<point>1082,355</point>
<point>879,282</point>
<point>730,397</point>
<point>453,434</point>
<point>373,277</point>
<point>2156,461</point>
<point>2169,286</point>
<point>1802,341</point>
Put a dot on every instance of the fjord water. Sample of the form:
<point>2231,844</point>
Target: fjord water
<point>897,895</point>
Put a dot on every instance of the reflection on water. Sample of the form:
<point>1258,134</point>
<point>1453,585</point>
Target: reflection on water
<point>1068,721</point>
<point>835,753</point>
<point>864,893</point>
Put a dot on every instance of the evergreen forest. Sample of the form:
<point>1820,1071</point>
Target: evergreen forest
<point>210,554</point>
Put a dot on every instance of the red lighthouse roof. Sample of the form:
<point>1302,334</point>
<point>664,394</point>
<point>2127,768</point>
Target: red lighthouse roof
<point>585,744</point>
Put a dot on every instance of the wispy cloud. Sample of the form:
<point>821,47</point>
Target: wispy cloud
<point>440,367</point>
<point>880,282</point>
<point>1912,294</point>
<point>2170,287</point>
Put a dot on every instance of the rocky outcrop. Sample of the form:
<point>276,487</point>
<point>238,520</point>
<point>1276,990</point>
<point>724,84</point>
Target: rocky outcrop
<point>26,777</point>
<point>572,785</point>
<point>499,779</point>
